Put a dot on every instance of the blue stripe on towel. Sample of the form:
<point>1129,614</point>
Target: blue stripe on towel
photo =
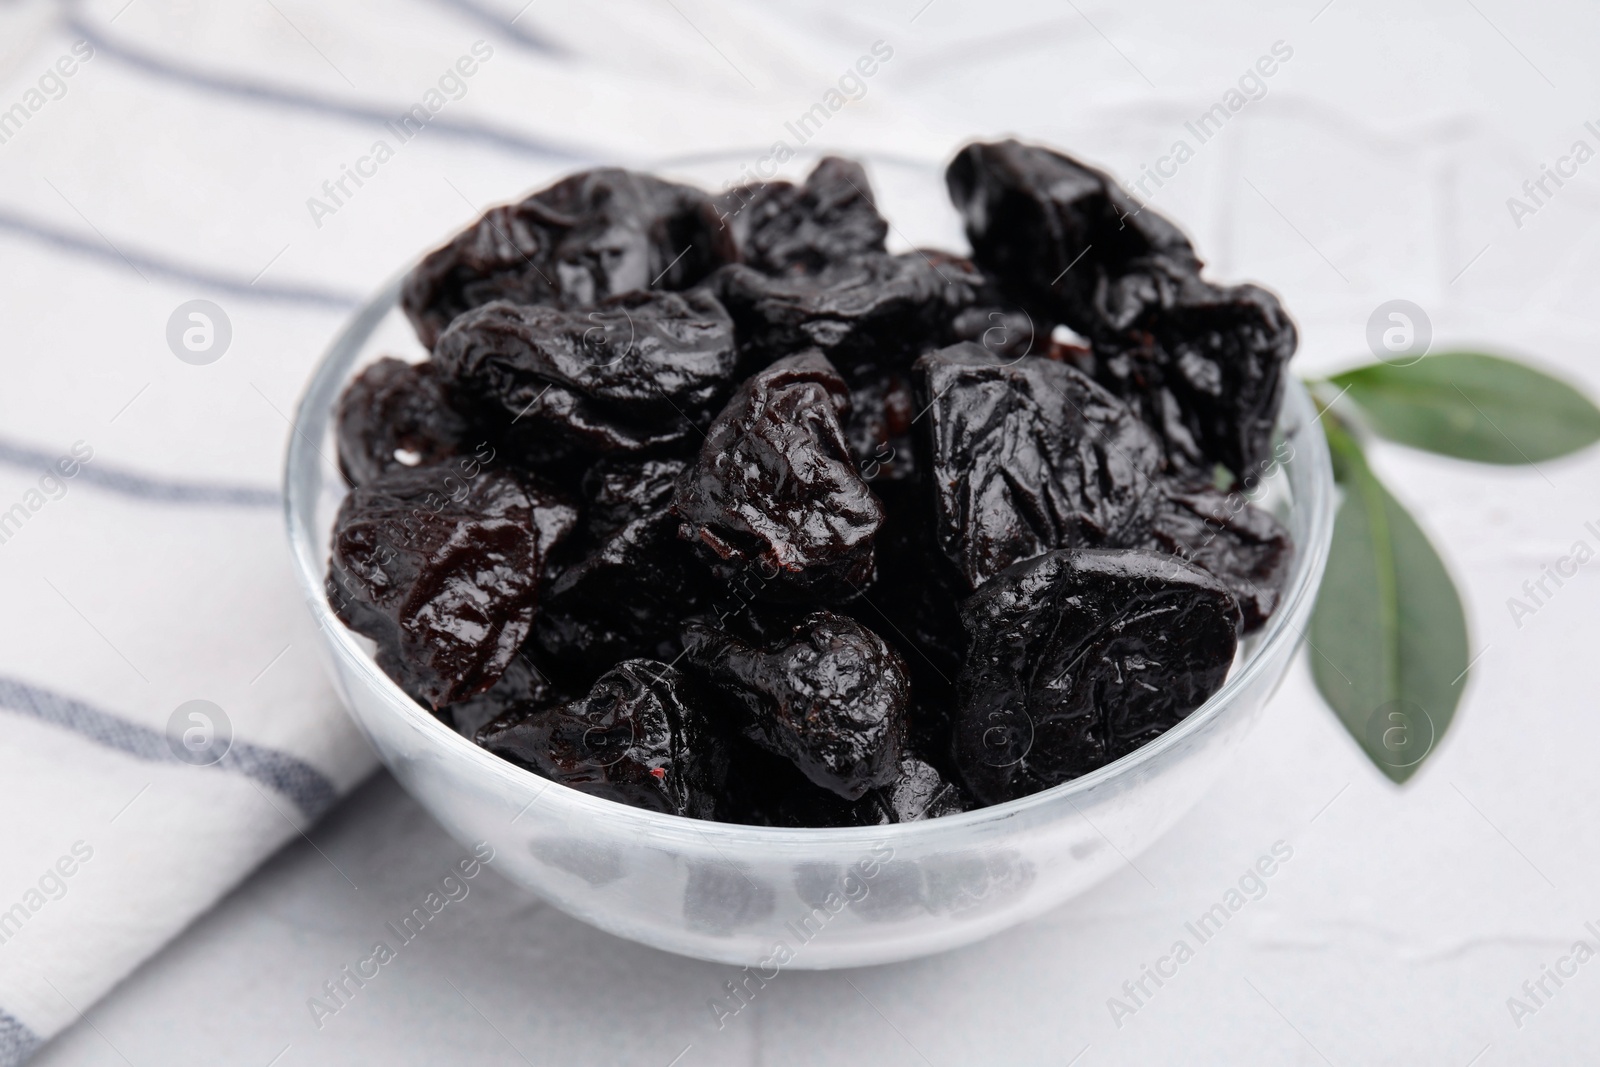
<point>17,1042</point>
<point>142,486</point>
<point>263,93</point>
<point>505,27</point>
<point>143,262</point>
<point>302,783</point>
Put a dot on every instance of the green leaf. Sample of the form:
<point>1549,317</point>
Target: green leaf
<point>1388,638</point>
<point>1474,406</point>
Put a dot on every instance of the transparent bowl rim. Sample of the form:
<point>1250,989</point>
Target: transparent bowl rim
<point>312,419</point>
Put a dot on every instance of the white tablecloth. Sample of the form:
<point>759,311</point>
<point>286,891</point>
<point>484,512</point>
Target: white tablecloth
<point>1375,162</point>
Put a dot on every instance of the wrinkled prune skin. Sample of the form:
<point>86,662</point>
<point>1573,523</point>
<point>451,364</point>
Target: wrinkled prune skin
<point>637,371</point>
<point>1243,546</point>
<point>639,737</point>
<point>1006,327</point>
<point>624,596</point>
<point>1006,331</point>
<point>1051,229</point>
<point>620,491</point>
<point>1204,364</point>
<point>522,686</point>
<point>394,409</point>
<point>874,308</point>
<point>882,405</point>
<point>918,792</point>
<point>1079,657</point>
<point>776,492</point>
<point>831,697</point>
<point>782,228</point>
<point>1029,456</point>
<point>590,236</point>
<point>1201,363</point>
<point>442,572</point>
<point>1004,477</point>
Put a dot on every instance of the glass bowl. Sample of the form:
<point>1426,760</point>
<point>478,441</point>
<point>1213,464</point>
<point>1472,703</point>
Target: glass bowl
<point>804,898</point>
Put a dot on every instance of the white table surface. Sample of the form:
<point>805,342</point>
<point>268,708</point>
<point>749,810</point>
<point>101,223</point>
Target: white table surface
<point>1377,166</point>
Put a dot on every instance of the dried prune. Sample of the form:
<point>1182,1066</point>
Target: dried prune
<point>918,792</point>
<point>1028,456</point>
<point>882,405</point>
<point>622,490</point>
<point>1006,331</point>
<point>830,697</point>
<point>595,234</point>
<point>638,371</point>
<point>396,414</point>
<point>1006,327</point>
<point>442,572</point>
<point>1052,229</point>
<point>1242,545</point>
<point>873,308</point>
<point>782,228</point>
<point>639,737</point>
<point>1202,363</point>
<point>1081,656</point>
<point>776,492</point>
<point>1005,478</point>
<point>624,596</point>
<point>522,686</point>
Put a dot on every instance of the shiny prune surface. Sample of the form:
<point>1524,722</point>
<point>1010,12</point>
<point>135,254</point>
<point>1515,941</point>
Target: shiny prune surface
<point>1030,455</point>
<point>918,792</point>
<point>639,737</point>
<point>716,507</point>
<point>1078,657</point>
<point>883,404</point>
<point>1052,229</point>
<point>873,308</point>
<point>635,372</point>
<point>783,228</point>
<point>1202,363</point>
<point>1005,330</point>
<point>523,684</point>
<point>442,572</point>
<point>595,234</point>
<point>775,491</point>
<point>1247,549</point>
<point>830,697</point>
<point>634,580</point>
<point>396,414</point>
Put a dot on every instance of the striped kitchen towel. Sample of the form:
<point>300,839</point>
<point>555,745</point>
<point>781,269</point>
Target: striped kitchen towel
<point>192,199</point>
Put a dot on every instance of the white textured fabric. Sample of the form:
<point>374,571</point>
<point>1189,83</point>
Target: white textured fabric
<point>1375,162</point>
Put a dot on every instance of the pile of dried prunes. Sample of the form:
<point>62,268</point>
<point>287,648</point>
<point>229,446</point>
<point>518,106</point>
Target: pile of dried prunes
<point>713,506</point>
